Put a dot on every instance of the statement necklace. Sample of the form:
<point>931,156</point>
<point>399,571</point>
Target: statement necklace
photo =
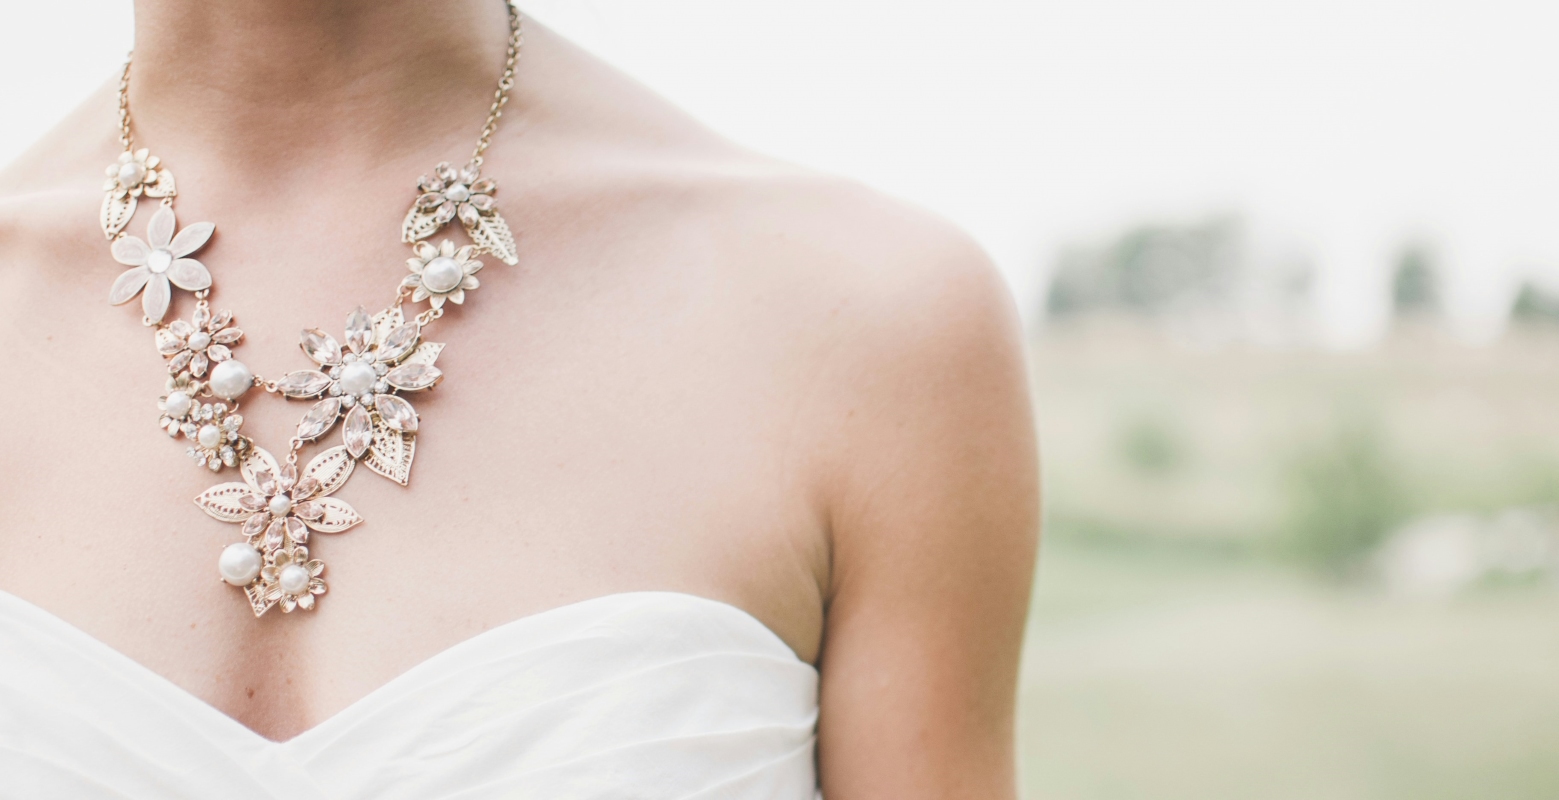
<point>360,383</point>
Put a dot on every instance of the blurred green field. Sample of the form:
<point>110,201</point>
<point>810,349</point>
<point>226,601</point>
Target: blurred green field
<point>1207,621</point>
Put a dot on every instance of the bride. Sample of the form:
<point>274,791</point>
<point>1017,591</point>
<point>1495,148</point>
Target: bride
<point>727,488</point>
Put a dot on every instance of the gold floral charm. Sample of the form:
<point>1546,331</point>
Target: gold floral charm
<point>133,175</point>
<point>277,508</point>
<point>442,273</point>
<point>383,356</point>
<point>159,260</point>
<point>177,401</point>
<point>449,194</point>
<point>289,577</point>
<point>213,433</point>
<point>199,343</point>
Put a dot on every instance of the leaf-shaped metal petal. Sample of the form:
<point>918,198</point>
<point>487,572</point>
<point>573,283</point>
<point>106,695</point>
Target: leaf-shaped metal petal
<point>391,453</point>
<point>426,353</point>
<point>414,377</point>
<point>331,469</point>
<point>386,321</point>
<point>338,516</point>
<point>320,418</point>
<point>321,347</point>
<point>359,330</point>
<point>358,431</point>
<point>116,213</point>
<point>399,342</point>
<point>222,501</point>
<point>260,461</point>
<point>164,187</point>
<point>492,234</point>
<point>420,223</point>
<point>259,603</point>
<point>395,413</point>
<point>303,383</point>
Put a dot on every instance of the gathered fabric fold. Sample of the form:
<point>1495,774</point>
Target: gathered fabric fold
<point>642,695</point>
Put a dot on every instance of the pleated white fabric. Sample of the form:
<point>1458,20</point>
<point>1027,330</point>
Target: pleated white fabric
<point>629,696</point>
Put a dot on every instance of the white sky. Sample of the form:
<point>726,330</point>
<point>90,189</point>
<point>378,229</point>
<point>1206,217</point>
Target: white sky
<point>1339,128</point>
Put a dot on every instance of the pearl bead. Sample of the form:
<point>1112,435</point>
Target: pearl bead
<point>294,579</point>
<point>457,193</point>
<point>199,340</point>
<point>131,173</point>
<point>209,436</point>
<point>442,275</point>
<point>230,379</point>
<point>177,404</point>
<point>239,564</point>
<point>357,377</point>
<point>159,261</point>
<point>280,505</point>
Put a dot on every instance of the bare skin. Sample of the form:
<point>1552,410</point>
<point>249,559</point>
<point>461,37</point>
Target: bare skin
<point>711,373</point>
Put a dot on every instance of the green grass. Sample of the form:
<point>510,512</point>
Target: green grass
<point>1189,636</point>
<point>1152,674</point>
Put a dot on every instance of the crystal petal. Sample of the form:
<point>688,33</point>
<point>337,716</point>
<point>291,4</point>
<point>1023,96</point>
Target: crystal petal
<point>319,418</point>
<point>414,377</point>
<point>201,318</point>
<point>219,352</point>
<point>396,413</point>
<point>430,200</point>
<point>484,186</point>
<point>180,361</point>
<point>482,202</point>
<point>359,330</point>
<point>227,336</point>
<point>308,509</point>
<point>198,364</point>
<point>256,523</point>
<point>303,383</point>
<point>358,432</point>
<point>169,342</point>
<point>445,173</point>
<point>297,531</point>
<point>399,342</point>
<point>321,347</point>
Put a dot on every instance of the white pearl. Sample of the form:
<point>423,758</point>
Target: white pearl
<point>442,275</point>
<point>280,505</point>
<point>131,173</point>
<point>294,579</point>
<point>357,377</point>
<point>230,379</point>
<point>239,564</point>
<point>159,261</point>
<point>177,404</point>
<point>457,193</point>
<point>209,436</point>
<point>199,340</point>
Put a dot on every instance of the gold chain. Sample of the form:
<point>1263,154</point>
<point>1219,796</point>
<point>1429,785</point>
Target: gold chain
<point>505,83</point>
<point>500,95</point>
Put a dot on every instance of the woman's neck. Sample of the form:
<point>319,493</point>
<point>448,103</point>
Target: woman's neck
<point>271,86</point>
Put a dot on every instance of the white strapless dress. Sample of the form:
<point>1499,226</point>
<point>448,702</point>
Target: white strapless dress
<point>628,696</point>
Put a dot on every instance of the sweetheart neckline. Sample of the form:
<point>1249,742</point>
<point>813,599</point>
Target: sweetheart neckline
<point>378,693</point>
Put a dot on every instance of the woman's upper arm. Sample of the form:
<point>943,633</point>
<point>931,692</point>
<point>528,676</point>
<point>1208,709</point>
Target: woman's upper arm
<point>934,524</point>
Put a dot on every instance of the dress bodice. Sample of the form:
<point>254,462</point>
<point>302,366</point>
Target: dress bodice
<point>627,696</point>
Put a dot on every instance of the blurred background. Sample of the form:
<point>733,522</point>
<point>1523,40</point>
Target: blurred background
<point>1291,275</point>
